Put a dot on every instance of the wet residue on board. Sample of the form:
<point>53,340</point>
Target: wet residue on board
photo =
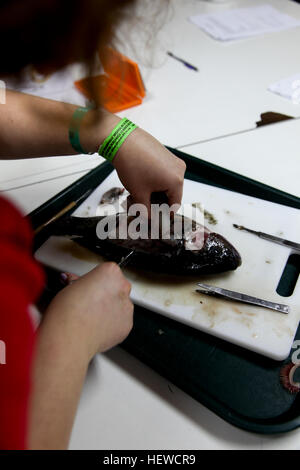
<point>198,205</point>
<point>234,215</point>
<point>85,212</point>
<point>218,311</point>
<point>210,218</point>
<point>283,330</point>
<point>213,312</point>
<point>180,291</point>
<point>79,252</point>
<point>167,290</point>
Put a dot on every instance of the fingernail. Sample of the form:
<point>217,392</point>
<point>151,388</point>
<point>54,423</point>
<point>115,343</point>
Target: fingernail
<point>64,277</point>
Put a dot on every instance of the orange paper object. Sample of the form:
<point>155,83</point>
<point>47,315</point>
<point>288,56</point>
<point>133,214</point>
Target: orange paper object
<point>121,86</point>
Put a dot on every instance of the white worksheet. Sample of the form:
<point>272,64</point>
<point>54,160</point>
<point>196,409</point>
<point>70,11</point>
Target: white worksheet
<point>288,87</point>
<point>244,22</point>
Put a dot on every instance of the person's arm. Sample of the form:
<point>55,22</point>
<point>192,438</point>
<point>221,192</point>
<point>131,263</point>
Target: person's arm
<point>89,316</point>
<point>34,127</point>
<point>31,126</point>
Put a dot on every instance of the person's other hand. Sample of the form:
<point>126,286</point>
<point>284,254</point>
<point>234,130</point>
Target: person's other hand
<point>95,310</point>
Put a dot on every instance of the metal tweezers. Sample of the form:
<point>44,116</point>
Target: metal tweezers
<point>271,238</point>
<point>248,299</point>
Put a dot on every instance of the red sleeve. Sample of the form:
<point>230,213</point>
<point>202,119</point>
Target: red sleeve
<point>21,280</point>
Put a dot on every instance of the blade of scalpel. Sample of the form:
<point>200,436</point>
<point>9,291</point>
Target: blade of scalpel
<point>248,299</point>
<point>125,259</point>
<point>271,238</point>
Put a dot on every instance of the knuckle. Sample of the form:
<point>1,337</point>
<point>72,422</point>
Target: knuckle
<point>112,267</point>
<point>127,286</point>
<point>179,179</point>
<point>181,165</point>
<point>124,287</point>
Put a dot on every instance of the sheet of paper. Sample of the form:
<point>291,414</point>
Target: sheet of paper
<point>288,88</point>
<point>244,22</point>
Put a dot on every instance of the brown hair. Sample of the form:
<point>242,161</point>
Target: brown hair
<point>52,33</point>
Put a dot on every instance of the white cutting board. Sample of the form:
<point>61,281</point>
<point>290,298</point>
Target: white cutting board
<point>261,330</point>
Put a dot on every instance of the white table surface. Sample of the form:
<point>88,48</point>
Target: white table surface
<point>269,154</point>
<point>43,178</point>
<point>184,107</point>
<point>125,404</point>
<point>229,92</point>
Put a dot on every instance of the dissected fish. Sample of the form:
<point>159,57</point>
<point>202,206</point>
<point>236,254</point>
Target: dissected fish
<point>198,251</point>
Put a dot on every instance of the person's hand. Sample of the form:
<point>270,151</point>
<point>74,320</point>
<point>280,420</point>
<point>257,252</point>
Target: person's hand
<point>145,166</point>
<point>95,311</point>
<point>92,314</point>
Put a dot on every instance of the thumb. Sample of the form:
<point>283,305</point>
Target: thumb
<point>68,278</point>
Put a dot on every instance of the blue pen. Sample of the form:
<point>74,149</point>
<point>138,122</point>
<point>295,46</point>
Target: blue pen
<point>184,62</point>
